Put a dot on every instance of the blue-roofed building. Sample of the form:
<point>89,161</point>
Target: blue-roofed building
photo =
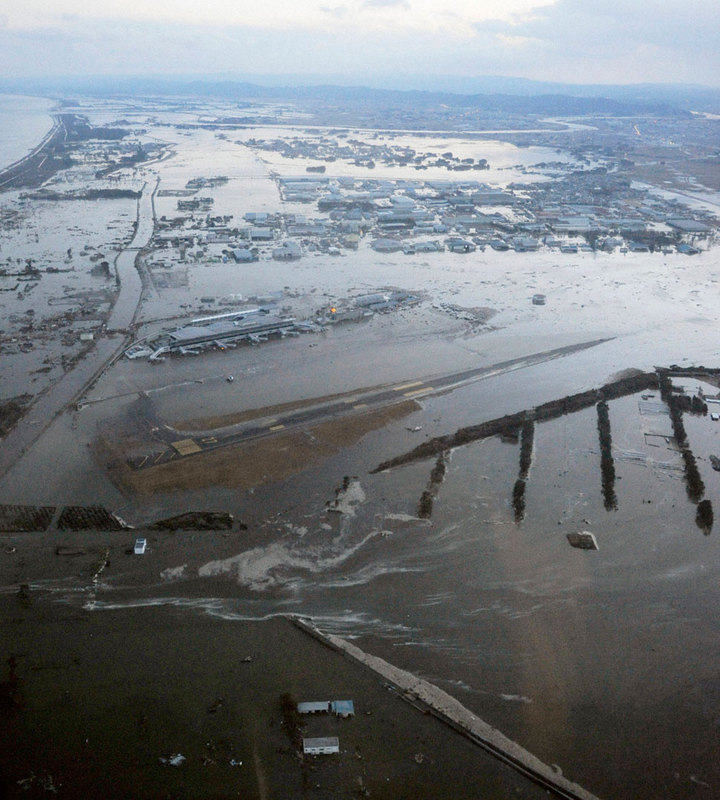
<point>343,708</point>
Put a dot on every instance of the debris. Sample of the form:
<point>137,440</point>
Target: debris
<point>62,550</point>
<point>196,521</point>
<point>698,782</point>
<point>584,540</point>
<point>234,763</point>
<point>230,378</point>
<point>216,706</point>
<point>43,782</point>
<point>347,497</point>
<point>174,760</point>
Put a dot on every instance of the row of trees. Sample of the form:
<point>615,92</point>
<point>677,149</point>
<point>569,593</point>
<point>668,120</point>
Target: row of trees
<point>678,403</point>
<point>693,482</point>
<point>527,441</point>
<point>437,476</point>
<point>607,464</point>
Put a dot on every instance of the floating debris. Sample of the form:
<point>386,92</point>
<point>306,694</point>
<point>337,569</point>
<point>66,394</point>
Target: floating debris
<point>584,540</point>
<point>347,497</point>
<point>62,550</point>
<point>174,760</point>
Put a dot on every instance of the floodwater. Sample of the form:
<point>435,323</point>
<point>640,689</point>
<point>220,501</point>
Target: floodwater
<point>602,662</point>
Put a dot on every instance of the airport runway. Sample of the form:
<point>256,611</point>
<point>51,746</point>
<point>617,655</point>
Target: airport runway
<point>172,444</point>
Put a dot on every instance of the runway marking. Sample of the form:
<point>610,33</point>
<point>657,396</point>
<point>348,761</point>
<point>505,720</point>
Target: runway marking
<point>186,446</point>
<point>276,427</point>
<point>350,400</point>
<point>157,458</point>
<point>209,440</point>
<point>361,405</point>
<point>424,390</point>
<point>407,386</point>
<point>142,463</point>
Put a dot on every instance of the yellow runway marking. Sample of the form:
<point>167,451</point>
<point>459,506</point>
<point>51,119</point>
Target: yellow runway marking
<point>276,427</point>
<point>157,458</point>
<point>424,390</point>
<point>407,386</point>
<point>361,405</point>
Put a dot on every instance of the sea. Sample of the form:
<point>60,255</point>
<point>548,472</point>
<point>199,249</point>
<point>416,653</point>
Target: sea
<point>23,123</point>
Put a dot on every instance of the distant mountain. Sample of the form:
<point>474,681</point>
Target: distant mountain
<point>490,93</point>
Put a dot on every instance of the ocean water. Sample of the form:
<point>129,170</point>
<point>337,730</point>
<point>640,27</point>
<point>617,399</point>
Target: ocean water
<point>23,123</point>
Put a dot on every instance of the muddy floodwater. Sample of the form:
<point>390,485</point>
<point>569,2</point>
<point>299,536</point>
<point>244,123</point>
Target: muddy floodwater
<point>604,661</point>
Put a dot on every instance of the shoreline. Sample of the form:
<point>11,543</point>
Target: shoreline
<point>35,159</point>
<point>14,155</point>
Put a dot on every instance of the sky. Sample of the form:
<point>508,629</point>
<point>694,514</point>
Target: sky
<point>367,41</point>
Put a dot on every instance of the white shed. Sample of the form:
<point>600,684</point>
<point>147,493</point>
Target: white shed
<point>325,745</point>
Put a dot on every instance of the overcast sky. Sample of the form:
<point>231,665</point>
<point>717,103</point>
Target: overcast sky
<point>574,41</point>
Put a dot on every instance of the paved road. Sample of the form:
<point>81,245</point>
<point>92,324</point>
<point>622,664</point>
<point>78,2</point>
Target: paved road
<point>72,385</point>
<point>172,444</point>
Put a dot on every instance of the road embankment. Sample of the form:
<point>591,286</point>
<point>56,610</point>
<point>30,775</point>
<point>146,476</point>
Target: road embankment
<point>432,699</point>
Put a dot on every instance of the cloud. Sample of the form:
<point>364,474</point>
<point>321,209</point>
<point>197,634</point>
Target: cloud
<point>339,12</point>
<point>386,4</point>
<point>581,41</point>
<point>624,31</point>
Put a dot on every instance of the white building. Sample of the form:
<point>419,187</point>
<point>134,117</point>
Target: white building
<point>325,745</point>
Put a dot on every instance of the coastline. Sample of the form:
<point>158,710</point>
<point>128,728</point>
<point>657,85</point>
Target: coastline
<point>28,171</point>
<point>25,122</point>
